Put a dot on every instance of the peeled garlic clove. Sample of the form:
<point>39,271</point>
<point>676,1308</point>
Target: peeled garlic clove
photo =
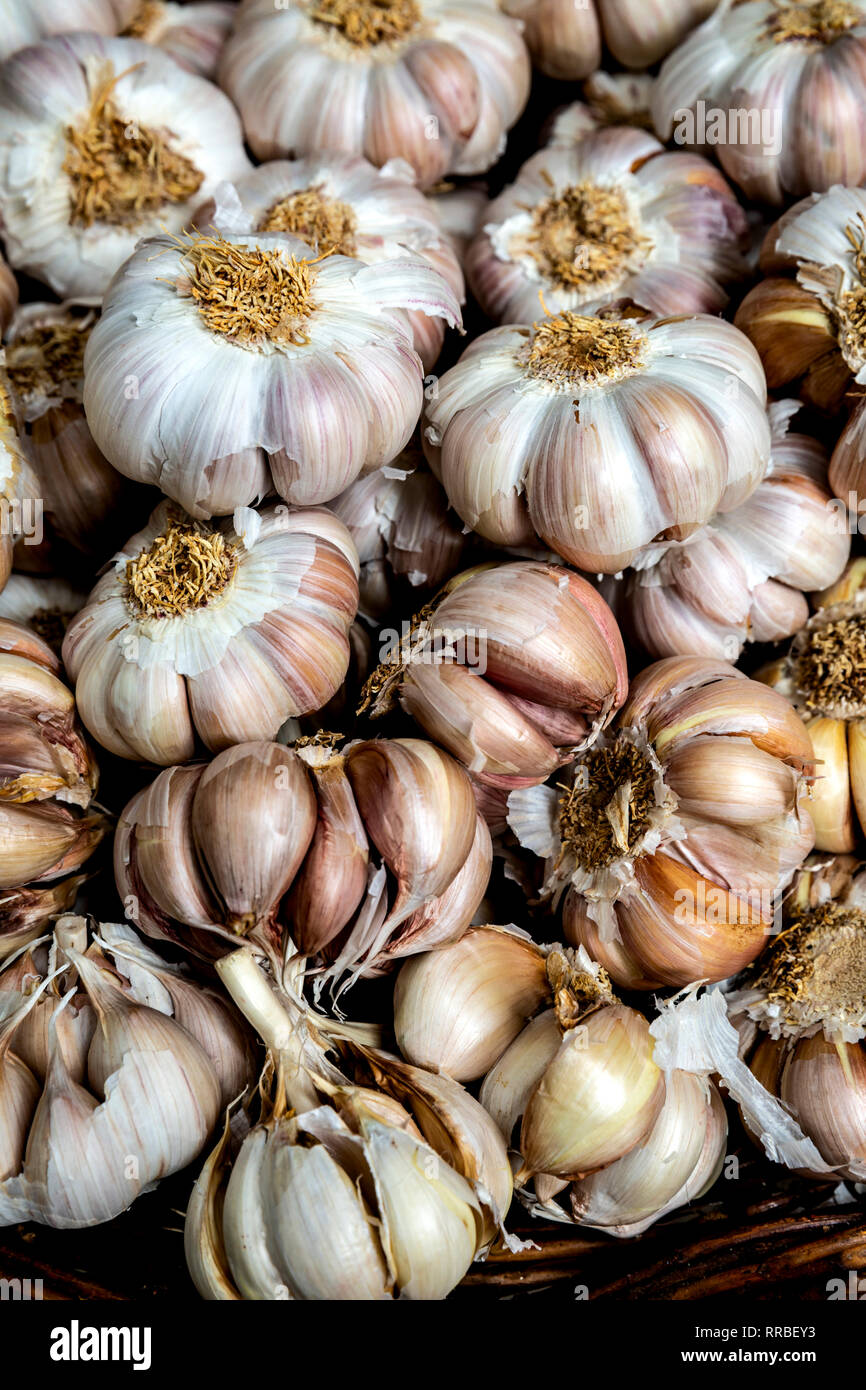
<point>456,1010</point>
<point>824,1085</point>
<point>252,860</point>
<point>830,798</point>
<point>333,877</point>
<point>597,1098</point>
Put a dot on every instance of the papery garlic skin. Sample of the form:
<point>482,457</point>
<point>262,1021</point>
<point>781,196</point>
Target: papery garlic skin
<point>610,216</point>
<point>43,605</point>
<point>785,82</point>
<point>218,403</point>
<point>600,436</point>
<point>229,658</point>
<point>514,668</point>
<point>426,82</point>
<point>38,19</point>
<point>408,537</point>
<point>699,821</point>
<point>565,39</point>
<point>192,34</point>
<point>345,204</point>
<point>76,251</point>
<point>127,1098</point>
<point>322,826</point>
<point>804,317</point>
<point>618,98</point>
<point>744,576</point>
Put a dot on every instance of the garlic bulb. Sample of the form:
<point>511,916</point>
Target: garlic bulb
<point>344,204</point>
<point>611,216</point>
<point>422,80</point>
<point>24,24</point>
<point>458,208</point>
<point>46,606</point>
<point>129,145</point>
<point>193,34</point>
<point>777,88</point>
<point>81,492</point>
<point>407,536</point>
<point>367,854</point>
<point>806,317</point>
<point>47,780</point>
<point>223,369</point>
<point>218,631</point>
<point>609,98</point>
<point>740,578</point>
<point>805,994</point>
<point>824,676</point>
<point>513,668</point>
<point>342,1199</point>
<point>565,36</point>
<point>598,434</point>
<point>116,1092</point>
<point>679,828</point>
<point>21,516</point>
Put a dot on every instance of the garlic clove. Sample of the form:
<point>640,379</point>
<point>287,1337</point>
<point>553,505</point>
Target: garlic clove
<point>857,766</point>
<point>824,1085</point>
<point>830,798</point>
<point>44,840</point>
<point>203,1243</point>
<point>510,1082</point>
<point>155,850</point>
<point>333,877</point>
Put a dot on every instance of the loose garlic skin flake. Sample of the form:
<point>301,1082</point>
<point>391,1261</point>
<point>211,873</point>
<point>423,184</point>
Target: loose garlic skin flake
<point>600,436</point>
<point>612,215</point>
<point>221,632</point>
<point>801,66</point>
<point>430,81</point>
<point>345,204</point>
<point>221,370</point>
<point>129,145</point>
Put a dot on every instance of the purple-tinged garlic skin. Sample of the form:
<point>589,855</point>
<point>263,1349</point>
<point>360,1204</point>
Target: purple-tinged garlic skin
<point>565,38</point>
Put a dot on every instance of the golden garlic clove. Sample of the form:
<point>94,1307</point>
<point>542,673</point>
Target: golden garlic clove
<point>830,798</point>
<point>857,767</point>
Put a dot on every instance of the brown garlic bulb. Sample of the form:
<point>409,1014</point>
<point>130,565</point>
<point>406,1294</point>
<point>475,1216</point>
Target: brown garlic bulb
<point>48,778</point>
<point>408,537</point>
<point>806,316</point>
<point>806,999</point>
<point>365,853</point>
<point>741,577</point>
<point>221,631</point>
<point>824,676</point>
<point>678,830</point>
<point>513,668</point>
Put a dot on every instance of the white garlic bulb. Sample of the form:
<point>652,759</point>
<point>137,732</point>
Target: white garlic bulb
<point>84,178</point>
<point>610,216</point>
<point>193,34</point>
<point>118,1092</point>
<point>777,88</point>
<point>345,204</point>
<point>609,98</point>
<point>742,577</point>
<point>221,632</point>
<point>565,38</point>
<point>22,24</point>
<point>421,80</point>
<point>600,434</point>
<point>46,606</point>
<point>223,369</point>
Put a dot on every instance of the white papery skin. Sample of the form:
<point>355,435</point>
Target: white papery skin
<point>49,87</point>
<point>273,644</point>
<point>27,23</point>
<point>813,89</point>
<point>216,424</point>
<point>743,577</point>
<point>442,98</point>
<point>565,36</point>
<point>657,451</point>
<point>678,201</point>
<point>391,216</point>
<point>193,34</point>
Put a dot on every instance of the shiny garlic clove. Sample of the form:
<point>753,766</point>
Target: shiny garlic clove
<point>679,829</point>
<point>217,632</point>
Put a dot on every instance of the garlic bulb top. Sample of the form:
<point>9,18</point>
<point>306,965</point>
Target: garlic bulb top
<point>740,578</point>
<point>366,853</point>
<point>407,535</point>
<point>44,605</point>
<point>600,434</point>
<point>48,778</point>
<point>679,828</point>
<point>345,204</point>
<point>218,631</point>
<point>428,81</point>
<point>222,369</point>
<point>113,1066</point>
<point>565,38</point>
<point>609,98</point>
<point>778,88</point>
<point>512,668</point>
<point>612,216</point>
<point>193,34</point>
<point>806,317</point>
<point>129,145</point>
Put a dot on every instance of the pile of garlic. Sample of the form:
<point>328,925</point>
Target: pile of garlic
<point>431,496</point>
